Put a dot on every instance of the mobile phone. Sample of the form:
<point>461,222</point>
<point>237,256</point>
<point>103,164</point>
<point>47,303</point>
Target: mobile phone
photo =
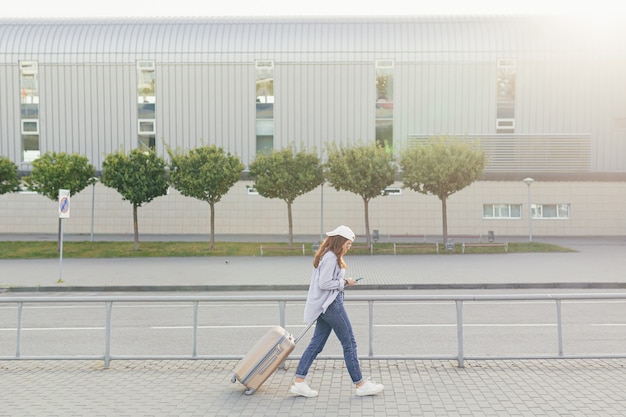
<point>358,279</point>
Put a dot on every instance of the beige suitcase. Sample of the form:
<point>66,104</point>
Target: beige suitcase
<point>265,357</point>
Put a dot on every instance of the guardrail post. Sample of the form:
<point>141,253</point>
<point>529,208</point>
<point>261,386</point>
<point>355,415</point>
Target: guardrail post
<point>18,343</point>
<point>107,334</point>
<point>559,327</point>
<point>371,329</point>
<point>459,333</point>
<point>194,350</point>
<point>282,307</point>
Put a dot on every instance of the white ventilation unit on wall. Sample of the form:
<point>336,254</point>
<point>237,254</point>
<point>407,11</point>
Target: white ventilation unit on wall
<point>30,127</point>
<point>146,126</point>
<point>265,65</point>
<point>384,63</point>
<point>145,65</point>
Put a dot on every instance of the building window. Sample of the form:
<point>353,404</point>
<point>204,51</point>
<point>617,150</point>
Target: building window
<point>146,127</point>
<point>264,106</point>
<point>30,127</point>
<point>146,104</point>
<point>264,144</point>
<point>384,102</point>
<point>502,211</point>
<point>505,99</point>
<point>391,191</point>
<point>550,211</point>
<point>29,110</point>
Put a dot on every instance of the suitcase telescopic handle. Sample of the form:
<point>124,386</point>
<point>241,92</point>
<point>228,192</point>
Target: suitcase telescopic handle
<point>303,332</point>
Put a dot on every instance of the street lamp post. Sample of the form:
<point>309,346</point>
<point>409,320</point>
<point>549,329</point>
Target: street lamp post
<point>528,182</point>
<point>322,215</point>
<point>94,180</point>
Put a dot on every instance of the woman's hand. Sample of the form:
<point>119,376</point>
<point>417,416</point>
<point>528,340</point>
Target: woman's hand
<point>350,282</point>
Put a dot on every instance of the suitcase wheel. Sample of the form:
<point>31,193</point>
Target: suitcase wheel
<point>249,391</point>
<point>233,379</point>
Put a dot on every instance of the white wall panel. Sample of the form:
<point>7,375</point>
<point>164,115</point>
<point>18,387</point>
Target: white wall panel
<point>10,139</point>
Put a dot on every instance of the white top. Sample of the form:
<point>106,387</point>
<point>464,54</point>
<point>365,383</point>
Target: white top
<point>326,283</point>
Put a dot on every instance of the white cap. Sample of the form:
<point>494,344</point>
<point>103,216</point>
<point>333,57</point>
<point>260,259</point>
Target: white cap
<point>344,231</point>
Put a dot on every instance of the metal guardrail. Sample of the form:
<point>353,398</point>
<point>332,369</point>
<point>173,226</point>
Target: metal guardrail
<point>282,301</point>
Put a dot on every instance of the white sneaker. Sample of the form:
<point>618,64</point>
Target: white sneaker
<point>369,388</point>
<point>301,388</point>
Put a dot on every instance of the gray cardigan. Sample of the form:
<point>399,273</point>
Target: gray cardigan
<point>326,283</point>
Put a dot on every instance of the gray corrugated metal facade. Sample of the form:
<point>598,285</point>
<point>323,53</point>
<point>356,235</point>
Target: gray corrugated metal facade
<point>568,80</point>
<point>569,85</point>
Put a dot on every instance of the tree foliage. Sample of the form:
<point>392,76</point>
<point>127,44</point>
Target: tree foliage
<point>287,174</point>
<point>441,167</point>
<point>54,171</point>
<point>365,170</point>
<point>9,181</point>
<point>139,177</point>
<point>205,173</point>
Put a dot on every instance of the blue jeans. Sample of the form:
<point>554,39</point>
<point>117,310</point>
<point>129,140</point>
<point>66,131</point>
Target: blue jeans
<point>336,319</point>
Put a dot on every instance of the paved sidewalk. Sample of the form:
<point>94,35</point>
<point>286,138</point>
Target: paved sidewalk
<point>597,263</point>
<point>412,388</point>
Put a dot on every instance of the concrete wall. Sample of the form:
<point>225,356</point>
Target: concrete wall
<point>596,209</point>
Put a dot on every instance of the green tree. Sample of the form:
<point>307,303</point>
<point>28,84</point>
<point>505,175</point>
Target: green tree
<point>9,181</point>
<point>286,175</point>
<point>53,171</point>
<point>365,170</point>
<point>442,166</point>
<point>205,173</point>
<point>139,177</point>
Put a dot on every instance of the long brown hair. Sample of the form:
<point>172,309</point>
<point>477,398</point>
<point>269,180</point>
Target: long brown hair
<point>336,244</point>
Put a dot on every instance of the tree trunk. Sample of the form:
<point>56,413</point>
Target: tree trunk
<point>366,205</point>
<point>290,224</point>
<point>444,214</point>
<point>212,245</point>
<point>136,226</point>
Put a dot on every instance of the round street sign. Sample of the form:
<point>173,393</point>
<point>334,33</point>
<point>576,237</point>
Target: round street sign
<point>64,204</point>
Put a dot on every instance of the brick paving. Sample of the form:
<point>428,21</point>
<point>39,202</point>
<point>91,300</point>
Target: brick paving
<point>412,388</point>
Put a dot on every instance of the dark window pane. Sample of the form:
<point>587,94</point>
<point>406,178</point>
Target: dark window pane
<point>264,110</point>
<point>384,132</point>
<point>146,111</point>
<point>264,144</point>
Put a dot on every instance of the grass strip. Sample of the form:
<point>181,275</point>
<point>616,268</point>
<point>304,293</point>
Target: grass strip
<point>86,249</point>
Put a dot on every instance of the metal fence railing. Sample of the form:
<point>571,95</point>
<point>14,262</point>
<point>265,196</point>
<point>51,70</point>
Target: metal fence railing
<point>282,300</point>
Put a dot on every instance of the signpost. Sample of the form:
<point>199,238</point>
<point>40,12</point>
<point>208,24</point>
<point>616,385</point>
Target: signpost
<point>64,213</point>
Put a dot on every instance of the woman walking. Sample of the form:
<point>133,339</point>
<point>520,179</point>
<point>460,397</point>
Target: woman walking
<point>325,304</point>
